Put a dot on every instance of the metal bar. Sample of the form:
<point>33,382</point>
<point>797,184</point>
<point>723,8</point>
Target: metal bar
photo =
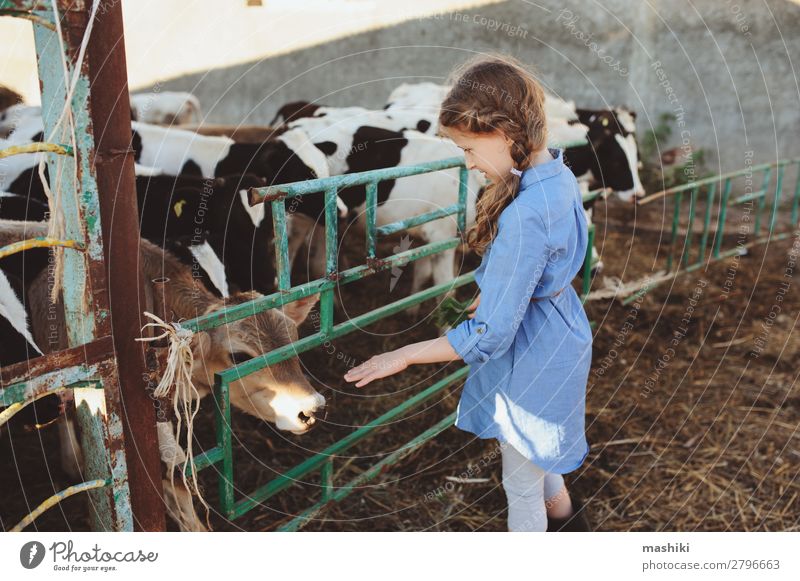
<point>687,242</point>
<point>303,518</point>
<point>218,454</point>
<point>326,478</point>
<point>712,188</point>
<point>56,498</point>
<point>306,343</point>
<point>83,284</point>
<point>281,191</point>
<point>748,197</point>
<point>316,461</point>
<point>206,459</point>
<point>706,181</point>
<point>407,223</point>
<point>38,147</point>
<point>463,182</point>
<point>586,283</point>
<point>723,212</point>
<point>18,406</point>
<point>777,199</point>
<point>247,309</point>
<point>41,242</point>
<point>35,18</point>
<point>112,165</point>
<point>34,5</point>
<point>281,244</point>
<point>371,209</point>
<point>722,255</point>
<point>762,201</point>
<point>675,218</point>
<point>222,428</point>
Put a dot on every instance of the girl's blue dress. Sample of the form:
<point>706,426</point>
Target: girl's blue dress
<point>529,361</point>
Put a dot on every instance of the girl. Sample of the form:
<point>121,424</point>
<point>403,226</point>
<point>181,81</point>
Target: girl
<point>528,341</point>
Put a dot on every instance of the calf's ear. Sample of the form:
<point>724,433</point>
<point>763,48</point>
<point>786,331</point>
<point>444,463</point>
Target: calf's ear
<point>298,310</point>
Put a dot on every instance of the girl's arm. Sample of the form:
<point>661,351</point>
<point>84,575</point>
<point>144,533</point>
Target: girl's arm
<point>391,362</point>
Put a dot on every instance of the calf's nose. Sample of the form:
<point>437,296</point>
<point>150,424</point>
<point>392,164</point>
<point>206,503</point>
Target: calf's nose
<point>309,419</point>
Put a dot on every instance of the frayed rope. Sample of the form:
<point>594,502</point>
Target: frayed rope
<point>178,373</point>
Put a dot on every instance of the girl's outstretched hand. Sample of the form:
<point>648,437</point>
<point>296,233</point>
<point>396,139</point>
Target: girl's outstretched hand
<point>377,367</point>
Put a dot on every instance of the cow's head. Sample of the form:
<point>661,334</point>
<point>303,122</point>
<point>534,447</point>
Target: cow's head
<point>612,135</point>
<point>279,393</point>
<point>291,157</point>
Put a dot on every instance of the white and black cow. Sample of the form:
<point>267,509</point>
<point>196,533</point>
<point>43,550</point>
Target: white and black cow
<point>8,98</point>
<point>425,99</point>
<point>17,343</point>
<point>209,224</point>
<point>165,108</point>
<point>610,159</point>
<point>20,207</point>
<point>16,116</point>
<point>290,157</point>
<point>368,148</point>
<point>280,394</point>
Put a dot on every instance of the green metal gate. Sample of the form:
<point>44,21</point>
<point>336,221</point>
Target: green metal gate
<point>323,462</point>
<point>692,246</point>
<point>90,368</point>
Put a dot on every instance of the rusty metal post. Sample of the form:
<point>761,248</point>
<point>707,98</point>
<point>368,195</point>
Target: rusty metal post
<point>110,115</point>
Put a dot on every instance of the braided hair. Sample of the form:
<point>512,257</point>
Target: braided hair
<point>496,93</point>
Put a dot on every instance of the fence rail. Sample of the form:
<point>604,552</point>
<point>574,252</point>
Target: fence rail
<point>709,201</point>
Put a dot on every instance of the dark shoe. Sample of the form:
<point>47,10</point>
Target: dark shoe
<point>576,522</point>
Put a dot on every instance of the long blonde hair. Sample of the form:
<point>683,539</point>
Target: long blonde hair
<point>496,93</point>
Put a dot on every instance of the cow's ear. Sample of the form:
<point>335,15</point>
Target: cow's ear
<point>298,310</point>
<point>201,346</point>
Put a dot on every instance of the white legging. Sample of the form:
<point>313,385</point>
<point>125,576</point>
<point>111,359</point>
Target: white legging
<point>529,491</point>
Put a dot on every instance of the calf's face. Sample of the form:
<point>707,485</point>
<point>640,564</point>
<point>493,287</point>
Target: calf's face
<point>280,393</point>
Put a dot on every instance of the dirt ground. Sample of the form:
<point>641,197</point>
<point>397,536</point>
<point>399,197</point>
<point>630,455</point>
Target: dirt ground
<point>692,412</point>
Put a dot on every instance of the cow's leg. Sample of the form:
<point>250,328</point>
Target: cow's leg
<point>317,262</point>
<point>443,265</point>
<point>69,446</point>
<point>317,252</point>
<point>299,228</point>
<point>180,506</point>
<point>423,270</point>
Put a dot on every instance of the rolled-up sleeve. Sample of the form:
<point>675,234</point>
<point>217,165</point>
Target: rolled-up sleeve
<point>518,257</point>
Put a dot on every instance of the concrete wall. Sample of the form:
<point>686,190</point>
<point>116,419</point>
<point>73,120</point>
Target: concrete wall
<point>730,68</point>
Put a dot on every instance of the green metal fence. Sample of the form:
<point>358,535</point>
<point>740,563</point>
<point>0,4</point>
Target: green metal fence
<point>323,462</point>
<point>88,368</point>
<point>700,231</point>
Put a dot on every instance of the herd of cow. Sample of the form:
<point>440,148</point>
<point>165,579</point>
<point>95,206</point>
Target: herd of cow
<point>192,183</point>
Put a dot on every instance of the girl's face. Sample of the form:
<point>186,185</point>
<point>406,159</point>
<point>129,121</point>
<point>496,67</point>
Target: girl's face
<point>489,153</point>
